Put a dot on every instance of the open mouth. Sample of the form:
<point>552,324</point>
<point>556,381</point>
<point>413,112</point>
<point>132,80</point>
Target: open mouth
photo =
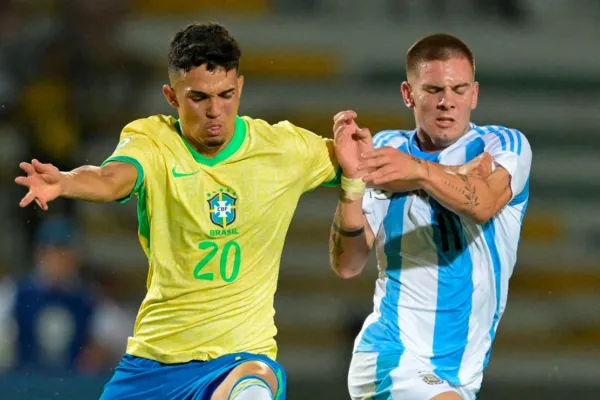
<point>444,122</point>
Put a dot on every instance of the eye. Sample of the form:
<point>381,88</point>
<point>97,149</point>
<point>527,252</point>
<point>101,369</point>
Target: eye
<point>433,90</point>
<point>227,95</point>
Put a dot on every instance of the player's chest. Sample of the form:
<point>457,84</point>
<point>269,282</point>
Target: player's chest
<point>224,199</point>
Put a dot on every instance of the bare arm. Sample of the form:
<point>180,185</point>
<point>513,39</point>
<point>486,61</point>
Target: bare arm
<point>471,190</point>
<point>351,239</point>
<point>111,182</point>
<point>470,195</point>
<point>45,182</point>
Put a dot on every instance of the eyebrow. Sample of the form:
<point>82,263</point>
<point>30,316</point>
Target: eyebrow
<point>192,92</point>
<point>455,87</point>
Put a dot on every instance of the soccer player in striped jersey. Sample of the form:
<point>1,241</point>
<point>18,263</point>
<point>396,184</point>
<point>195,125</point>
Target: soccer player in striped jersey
<point>216,194</point>
<point>445,225</point>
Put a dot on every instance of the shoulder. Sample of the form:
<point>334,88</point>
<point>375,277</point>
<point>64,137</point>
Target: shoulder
<point>393,138</point>
<point>260,126</point>
<point>503,138</point>
<point>283,134</point>
<point>151,127</point>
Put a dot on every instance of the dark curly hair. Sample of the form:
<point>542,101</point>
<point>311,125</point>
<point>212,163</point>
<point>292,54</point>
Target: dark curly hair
<point>199,44</point>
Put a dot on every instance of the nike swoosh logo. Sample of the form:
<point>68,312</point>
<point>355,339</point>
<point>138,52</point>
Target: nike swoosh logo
<point>182,174</point>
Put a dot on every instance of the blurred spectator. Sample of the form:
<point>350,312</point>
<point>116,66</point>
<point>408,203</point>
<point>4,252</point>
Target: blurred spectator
<point>56,322</point>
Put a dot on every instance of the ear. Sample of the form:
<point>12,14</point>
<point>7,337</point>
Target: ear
<point>407,95</point>
<point>169,93</point>
<point>475,95</point>
<point>240,82</point>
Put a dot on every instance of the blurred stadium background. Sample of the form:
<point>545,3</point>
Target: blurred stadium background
<point>72,73</point>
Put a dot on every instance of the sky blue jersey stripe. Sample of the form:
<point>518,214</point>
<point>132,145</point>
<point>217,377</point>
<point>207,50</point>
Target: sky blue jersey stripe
<point>385,333</point>
<point>386,362</point>
<point>474,148</point>
<point>383,138</point>
<point>489,232</point>
<point>493,130</point>
<point>455,292</point>
<point>519,144</point>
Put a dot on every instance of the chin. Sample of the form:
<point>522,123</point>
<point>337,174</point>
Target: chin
<point>214,142</point>
<point>445,137</point>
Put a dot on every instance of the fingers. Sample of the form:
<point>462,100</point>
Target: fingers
<point>380,152</point>
<point>22,180</point>
<point>342,132</point>
<point>28,168</point>
<point>40,167</point>
<point>29,198</point>
<point>381,176</point>
<point>373,163</point>
<point>25,201</point>
<point>344,115</point>
<point>344,118</point>
<point>363,133</point>
<point>42,204</point>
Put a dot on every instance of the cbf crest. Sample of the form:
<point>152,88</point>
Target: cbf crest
<point>222,207</point>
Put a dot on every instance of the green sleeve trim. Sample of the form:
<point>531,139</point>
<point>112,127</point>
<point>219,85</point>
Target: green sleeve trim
<point>336,181</point>
<point>140,177</point>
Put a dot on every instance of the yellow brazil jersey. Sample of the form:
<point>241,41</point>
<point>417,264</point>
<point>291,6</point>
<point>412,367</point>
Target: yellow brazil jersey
<point>213,231</point>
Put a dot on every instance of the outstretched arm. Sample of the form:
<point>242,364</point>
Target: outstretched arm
<point>45,182</point>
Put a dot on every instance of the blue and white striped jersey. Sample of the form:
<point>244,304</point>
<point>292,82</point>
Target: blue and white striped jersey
<point>443,279</point>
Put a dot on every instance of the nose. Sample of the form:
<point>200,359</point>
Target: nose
<point>214,109</point>
<point>446,102</point>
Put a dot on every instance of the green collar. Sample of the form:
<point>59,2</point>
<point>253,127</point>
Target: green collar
<point>239,134</point>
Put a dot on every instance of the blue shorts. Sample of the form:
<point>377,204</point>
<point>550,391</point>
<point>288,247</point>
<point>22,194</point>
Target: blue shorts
<point>137,378</point>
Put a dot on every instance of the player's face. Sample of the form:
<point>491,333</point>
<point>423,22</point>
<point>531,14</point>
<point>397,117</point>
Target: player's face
<point>442,94</point>
<point>207,103</point>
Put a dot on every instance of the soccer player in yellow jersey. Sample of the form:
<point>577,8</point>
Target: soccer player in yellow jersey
<point>216,194</point>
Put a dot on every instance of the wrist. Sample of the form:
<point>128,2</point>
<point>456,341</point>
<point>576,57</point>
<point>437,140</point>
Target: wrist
<point>349,231</point>
<point>423,174</point>
<point>63,183</point>
<point>352,188</point>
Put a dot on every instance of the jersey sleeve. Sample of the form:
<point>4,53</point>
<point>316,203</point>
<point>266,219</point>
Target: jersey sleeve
<point>375,205</point>
<point>317,156</point>
<point>511,150</point>
<point>136,149</point>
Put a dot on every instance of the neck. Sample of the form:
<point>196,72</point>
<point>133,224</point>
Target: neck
<point>427,145</point>
<point>204,149</point>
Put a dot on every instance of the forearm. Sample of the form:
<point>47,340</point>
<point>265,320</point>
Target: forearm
<point>468,195</point>
<point>349,242</point>
<point>95,184</point>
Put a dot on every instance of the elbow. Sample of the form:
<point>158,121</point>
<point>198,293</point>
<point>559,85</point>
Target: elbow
<point>482,217</point>
<point>345,272</point>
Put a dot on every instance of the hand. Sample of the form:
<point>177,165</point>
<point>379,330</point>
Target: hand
<point>481,165</point>
<point>350,142</point>
<point>393,170</point>
<point>43,181</point>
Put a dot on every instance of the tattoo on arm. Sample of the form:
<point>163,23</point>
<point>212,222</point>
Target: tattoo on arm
<point>422,162</point>
<point>335,240</point>
<point>468,191</point>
